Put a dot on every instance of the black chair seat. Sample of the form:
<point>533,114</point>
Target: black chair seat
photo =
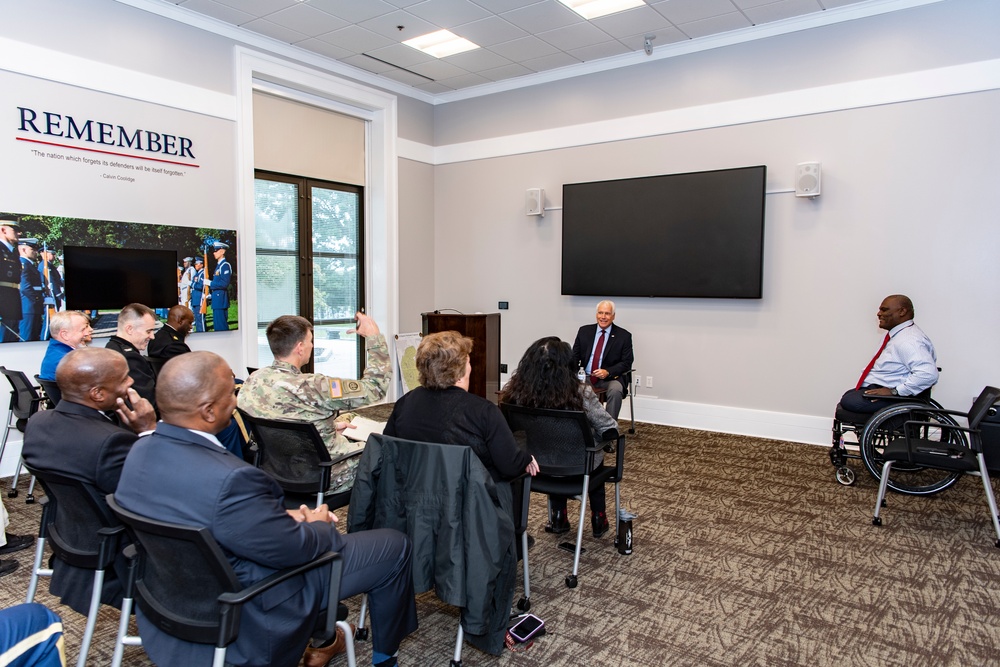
<point>571,486</point>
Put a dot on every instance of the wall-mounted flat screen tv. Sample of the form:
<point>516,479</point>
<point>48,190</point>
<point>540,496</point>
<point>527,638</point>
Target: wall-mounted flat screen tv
<point>111,278</point>
<point>698,235</point>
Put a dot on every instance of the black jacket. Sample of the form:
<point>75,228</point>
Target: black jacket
<point>459,520</point>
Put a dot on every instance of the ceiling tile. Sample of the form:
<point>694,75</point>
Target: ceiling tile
<point>714,25</point>
<point>524,48</point>
<point>324,48</point>
<point>477,60</point>
<point>307,20</point>
<point>387,25</point>
<point>506,72</point>
<point>489,31</point>
<point>542,16</point>
<point>554,61</point>
<point>830,4</point>
<point>218,11</point>
<point>438,69</point>
<point>685,11</point>
<point>353,11</point>
<point>640,19</point>
<point>574,36</point>
<point>401,75</point>
<point>664,36</point>
<point>257,7</point>
<point>747,4</point>
<point>364,62</point>
<point>398,3</point>
<point>465,81</point>
<point>501,6</point>
<point>433,87</point>
<point>355,38</point>
<point>448,13</point>
<point>776,11</point>
<point>275,31</point>
<point>400,55</point>
<point>598,51</point>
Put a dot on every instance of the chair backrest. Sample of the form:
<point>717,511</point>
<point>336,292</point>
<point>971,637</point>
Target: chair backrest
<point>981,406</point>
<point>558,439</point>
<point>51,389</point>
<point>24,399</point>
<point>76,512</point>
<point>182,573</point>
<point>291,452</point>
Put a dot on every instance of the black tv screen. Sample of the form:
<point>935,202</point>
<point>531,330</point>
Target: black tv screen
<point>698,234</point>
<point>111,278</point>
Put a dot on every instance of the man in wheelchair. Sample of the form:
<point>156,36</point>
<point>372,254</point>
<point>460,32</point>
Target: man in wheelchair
<point>905,365</point>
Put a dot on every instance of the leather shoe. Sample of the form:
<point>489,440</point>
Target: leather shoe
<point>558,523</point>
<point>599,522</point>
<point>16,543</point>
<point>8,566</point>
<point>318,657</point>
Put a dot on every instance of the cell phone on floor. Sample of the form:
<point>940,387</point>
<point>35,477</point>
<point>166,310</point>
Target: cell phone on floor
<point>526,628</point>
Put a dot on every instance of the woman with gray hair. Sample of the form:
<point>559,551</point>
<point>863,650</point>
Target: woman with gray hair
<point>442,410</point>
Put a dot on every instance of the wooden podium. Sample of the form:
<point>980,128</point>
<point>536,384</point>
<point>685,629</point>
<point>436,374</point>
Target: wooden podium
<point>484,330</point>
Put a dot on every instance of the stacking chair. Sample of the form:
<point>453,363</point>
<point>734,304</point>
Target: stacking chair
<point>562,443</point>
<point>52,392</point>
<point>81,532</point>
<point>443,498</point>
<point>24,402</point>
<point>294,455</point>
<point>626,380</point>
<point>949,454</point>
<point>183,583</point>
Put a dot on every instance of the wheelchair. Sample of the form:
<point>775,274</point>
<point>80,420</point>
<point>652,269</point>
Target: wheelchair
<point>873,432</point>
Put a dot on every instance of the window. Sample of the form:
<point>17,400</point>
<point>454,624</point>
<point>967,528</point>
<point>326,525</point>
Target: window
<point>310,263</point>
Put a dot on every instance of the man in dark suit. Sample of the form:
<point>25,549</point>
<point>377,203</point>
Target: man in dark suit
<point>605,353</point>
<point>136,327</point>
<point>169,340</point>
<point>79,439</point>
<point>10,279</point>
<point>182,474</point>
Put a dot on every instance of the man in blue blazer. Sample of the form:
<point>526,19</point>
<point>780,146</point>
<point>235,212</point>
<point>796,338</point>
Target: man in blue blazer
<point>87,437</point>
<point>612,346</point>
<point>182,474</point>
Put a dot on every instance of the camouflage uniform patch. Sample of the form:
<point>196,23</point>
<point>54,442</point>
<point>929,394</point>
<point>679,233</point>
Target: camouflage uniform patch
<point>282,391</point>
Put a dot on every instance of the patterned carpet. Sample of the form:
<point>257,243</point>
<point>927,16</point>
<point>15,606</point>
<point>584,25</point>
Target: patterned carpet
<point>747,552</point>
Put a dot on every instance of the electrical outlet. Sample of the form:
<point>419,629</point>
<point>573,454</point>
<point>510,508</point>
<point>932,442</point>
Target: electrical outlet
<point>503,368</point>
<point>638,380</point>
<point>649,382</point>
<point>502,305</point>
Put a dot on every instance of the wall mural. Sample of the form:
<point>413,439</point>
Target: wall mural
<point>53,263</point>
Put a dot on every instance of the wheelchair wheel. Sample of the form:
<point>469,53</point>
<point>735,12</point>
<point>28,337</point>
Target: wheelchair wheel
<point>845,475</point>
<point>887,425</point>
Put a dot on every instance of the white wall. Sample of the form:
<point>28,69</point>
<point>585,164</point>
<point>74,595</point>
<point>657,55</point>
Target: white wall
<point>908,206</point>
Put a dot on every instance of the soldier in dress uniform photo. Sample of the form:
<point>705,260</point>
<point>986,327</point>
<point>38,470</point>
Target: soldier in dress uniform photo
<point>220,287</point>
<point>32,291</point>
<point>10,279</point>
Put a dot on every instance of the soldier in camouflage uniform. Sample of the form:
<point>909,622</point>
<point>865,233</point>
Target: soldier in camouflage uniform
<point>283,391</point>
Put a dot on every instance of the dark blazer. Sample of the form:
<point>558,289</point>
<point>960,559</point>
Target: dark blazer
<point>139,368</point>
<point>167,343</point>
<point>79,442</point>
<point>618,356</point>
<point>177,476</point>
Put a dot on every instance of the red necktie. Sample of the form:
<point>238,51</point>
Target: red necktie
<point>872,362</point>
<point>596,363</point>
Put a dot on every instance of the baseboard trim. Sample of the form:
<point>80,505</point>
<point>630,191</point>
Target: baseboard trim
<point>725,419</point>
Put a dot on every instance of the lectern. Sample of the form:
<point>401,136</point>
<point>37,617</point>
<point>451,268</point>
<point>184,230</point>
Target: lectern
<point>484,330</point>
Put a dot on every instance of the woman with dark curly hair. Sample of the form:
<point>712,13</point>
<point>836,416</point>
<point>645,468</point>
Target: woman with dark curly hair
<point>546,378</point>
<point>442,409</point>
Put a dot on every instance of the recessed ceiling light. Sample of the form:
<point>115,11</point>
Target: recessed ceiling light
<point>591,9</point>
<point>441,44</point>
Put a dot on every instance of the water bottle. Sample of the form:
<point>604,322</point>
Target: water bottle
<point>623,541</point>
<point>581,376</point>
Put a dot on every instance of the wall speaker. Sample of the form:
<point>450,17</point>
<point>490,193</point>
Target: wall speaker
<point>534,202</point>
<point>807,179</point>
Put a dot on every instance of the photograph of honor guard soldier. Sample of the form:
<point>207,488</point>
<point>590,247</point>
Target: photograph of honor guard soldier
<point>184,283</point>
<point>283,391</point>
<point>198,294</point>
<point>10,279</point>
<point>220,287</point>
<point>32,291</point>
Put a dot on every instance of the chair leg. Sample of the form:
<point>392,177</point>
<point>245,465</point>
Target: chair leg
<point>882,486</point>
<point>37,570</point>
<point>571,580</point>
<point>631,413</point>
<point>990,498</point>
<point>524,604</point>
<point>219,658</point>
<point>319,499</point>
<point>345,627</point>
<point>31,491</point>
<point>456,661</point>
<point>618,508</point>
<point>95,605</point>
<point>362,632</point>
<point>123,638</point>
